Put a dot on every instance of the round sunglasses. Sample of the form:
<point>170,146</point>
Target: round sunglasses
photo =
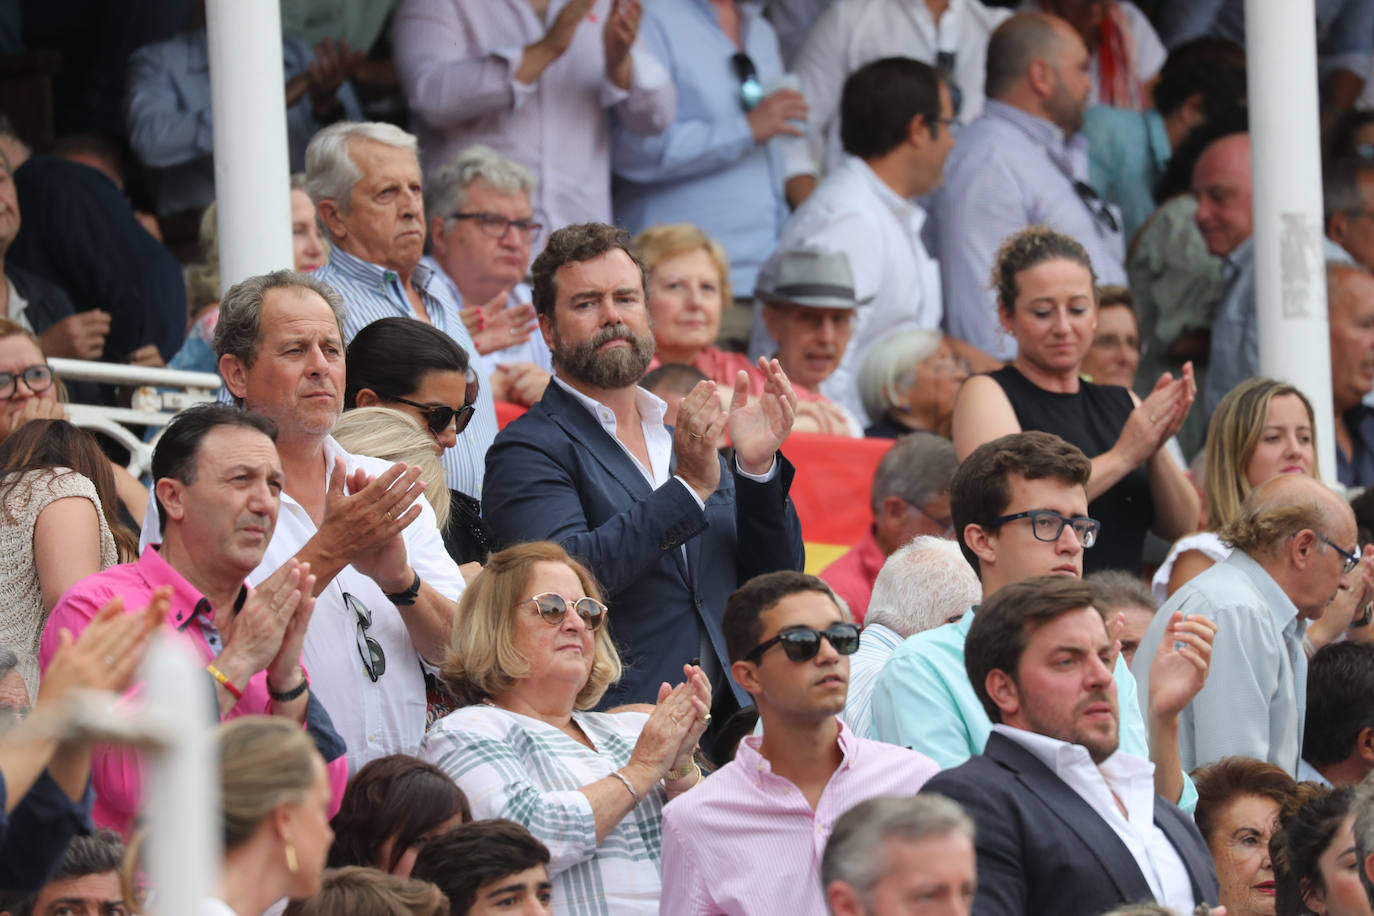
<point>802,643</point>
<point>553,608</point>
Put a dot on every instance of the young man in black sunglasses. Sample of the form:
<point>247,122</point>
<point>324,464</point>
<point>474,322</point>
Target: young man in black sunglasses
<point>789,643</point>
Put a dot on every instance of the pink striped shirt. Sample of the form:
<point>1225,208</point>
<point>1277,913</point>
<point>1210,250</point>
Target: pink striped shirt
<point>745,841</point>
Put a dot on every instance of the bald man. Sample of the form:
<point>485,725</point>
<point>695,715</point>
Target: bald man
<point>1221,183</point>
<point>1294,548</point>
<point>1350,317</point>
<point>1021,162</point>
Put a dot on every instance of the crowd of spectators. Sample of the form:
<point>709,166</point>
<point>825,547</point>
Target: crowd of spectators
<point>491,555</point>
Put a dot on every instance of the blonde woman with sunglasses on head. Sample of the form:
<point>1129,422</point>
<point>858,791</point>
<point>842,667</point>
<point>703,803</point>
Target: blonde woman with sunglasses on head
<point>532,656</point>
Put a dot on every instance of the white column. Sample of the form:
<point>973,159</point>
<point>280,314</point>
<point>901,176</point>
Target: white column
<point>182,782</point>
<point>1290,276</point>
<point>252,168</point>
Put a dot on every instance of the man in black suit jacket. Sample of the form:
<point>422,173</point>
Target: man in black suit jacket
<point>665,526</point>
<point>1066,824</point>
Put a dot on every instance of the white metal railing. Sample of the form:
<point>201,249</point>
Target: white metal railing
<point>159,394</point>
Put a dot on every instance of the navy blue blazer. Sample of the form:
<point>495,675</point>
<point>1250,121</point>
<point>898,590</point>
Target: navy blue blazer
<point>1043,849</point>
<point>555,474</point>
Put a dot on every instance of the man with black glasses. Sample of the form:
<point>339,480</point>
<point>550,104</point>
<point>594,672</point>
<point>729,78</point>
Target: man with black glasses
<point>1020,508</point>
<point>750,839</point>
<point>1294,548</point>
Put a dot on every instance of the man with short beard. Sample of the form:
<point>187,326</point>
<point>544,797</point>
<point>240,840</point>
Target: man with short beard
<point>1065,823</point>
<point>665,526</point>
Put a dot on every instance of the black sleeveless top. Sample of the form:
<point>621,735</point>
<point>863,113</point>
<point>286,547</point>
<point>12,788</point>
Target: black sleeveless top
<point>1092,419</point>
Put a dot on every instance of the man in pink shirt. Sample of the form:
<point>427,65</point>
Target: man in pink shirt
<point>776,802</point>
<point>910,497</point>
<point>218,484</point>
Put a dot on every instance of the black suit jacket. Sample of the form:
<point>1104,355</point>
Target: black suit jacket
<point>555,474</point>
<point>1043,850</point>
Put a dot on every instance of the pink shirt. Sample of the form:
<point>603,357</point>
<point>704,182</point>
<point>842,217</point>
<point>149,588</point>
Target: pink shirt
<point>746,842</point>
<point>117,774</point>
<point>852,575</point>
<point>720,366</point>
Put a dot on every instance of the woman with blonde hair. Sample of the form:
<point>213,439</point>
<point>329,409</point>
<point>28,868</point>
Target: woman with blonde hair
<point>689,289</point>
<point>275,803</point>
<point>394,436</point>
<point>1260,429</point>
<point>531,656</point>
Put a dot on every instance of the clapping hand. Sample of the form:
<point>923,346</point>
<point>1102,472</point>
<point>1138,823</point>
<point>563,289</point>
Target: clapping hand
<point>758,426</point>
<point>1180,666</point>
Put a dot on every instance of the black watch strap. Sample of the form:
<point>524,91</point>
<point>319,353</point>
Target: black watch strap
<point>290,694</point>
<point>408,596</point>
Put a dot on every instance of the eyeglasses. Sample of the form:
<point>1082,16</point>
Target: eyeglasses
<point>374,659</point>
<point>553,608</point>
<point>946,522</point>
<point>802,643</point>
<point>1348,560</point>
<point>1096,205</point>
<point>1048,525</point>
<point>37,378</point>
<point>496,225</point>
<point>944,62</point>
<point>750,89</point>
<point>439,416</point>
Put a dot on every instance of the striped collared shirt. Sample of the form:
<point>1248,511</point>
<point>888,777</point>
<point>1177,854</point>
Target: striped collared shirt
<point>373,292</point>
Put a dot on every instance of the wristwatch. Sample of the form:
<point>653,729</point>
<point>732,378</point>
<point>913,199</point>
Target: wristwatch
<point>408,596</point>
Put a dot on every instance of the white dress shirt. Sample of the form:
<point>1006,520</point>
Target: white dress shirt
<point>851,33</point>
<point>854,212</point>
<point>1126,779</point>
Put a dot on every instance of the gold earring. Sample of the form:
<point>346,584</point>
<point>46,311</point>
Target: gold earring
<point>291,864</point>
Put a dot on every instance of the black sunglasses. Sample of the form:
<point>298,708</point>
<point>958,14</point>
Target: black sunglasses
<point>439,416</point>
<point>374,659</point>
<point>750,89</point>
<point>553,608</point>
<point>1096,205</point>
<point>944,62</point>
<point>802,643</point>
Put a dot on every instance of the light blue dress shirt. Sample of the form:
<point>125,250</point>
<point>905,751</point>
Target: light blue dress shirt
<point>1256,692</point>
<point>923,700</point>
<point>1127,153</point>
<point>372,292</point>
<point>1008,171</point>
<point>705,169</point>
<point>1235,329</point>
<point>876,644</point>
<point>168,112</point>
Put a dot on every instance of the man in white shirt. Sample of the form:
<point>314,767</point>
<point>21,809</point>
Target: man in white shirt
<point>1066,823</point>
<point>897,114</point>
<point>386,590</point>
<point>951,35</point>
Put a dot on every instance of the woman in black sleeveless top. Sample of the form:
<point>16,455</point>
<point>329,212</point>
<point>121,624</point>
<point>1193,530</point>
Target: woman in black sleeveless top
<point>1045,288</point>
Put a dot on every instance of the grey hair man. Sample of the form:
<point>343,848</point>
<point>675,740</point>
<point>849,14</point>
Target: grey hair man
<point>887,851</point>
<point>365,180</point>
<point>909,497</point>
<point>87,882</point>
<point>922,585</point>
<point>1295,546</point>
<point>1119,593</point>
<point>357,521</point>
<point>482,230</point>
<point>1348,205</point>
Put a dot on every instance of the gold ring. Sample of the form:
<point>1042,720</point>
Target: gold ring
<point>706,719</point>
<point>1154,419</point>
<point>695,435</point>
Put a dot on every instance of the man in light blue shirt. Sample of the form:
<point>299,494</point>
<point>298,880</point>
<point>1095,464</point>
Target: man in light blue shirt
<point>1020,507</point>
<point>1019,164</point>
<point>365,181</point>
<point>922,585</point>
<point>1295,545</point>
<point>716,166</point>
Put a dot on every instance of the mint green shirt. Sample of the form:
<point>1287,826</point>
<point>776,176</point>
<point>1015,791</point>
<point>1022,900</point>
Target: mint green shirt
<point>923,700</point>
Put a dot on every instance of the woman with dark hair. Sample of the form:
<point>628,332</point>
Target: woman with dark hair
<point>1047,300</point>
<point>1238,804</point>
<point>414,368</point>
<point>391,808</point>
<point>60,524</point>
<point>1321,877</point>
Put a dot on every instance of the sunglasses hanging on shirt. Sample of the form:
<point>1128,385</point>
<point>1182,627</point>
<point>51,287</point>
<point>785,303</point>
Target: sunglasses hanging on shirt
<point>944,62</point>
<point>750,89</point>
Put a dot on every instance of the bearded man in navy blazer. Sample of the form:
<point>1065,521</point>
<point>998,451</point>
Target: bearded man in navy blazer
<point>1066,823</point>
<point>666,527</point>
